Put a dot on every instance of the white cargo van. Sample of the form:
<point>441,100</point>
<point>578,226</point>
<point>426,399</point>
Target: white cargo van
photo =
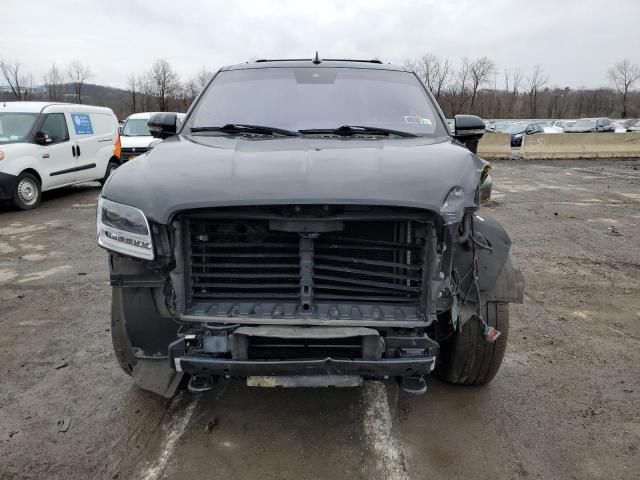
<point>135,135</point>
<point>50,145</point>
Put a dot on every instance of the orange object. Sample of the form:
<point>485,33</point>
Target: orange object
<point>117,147</point>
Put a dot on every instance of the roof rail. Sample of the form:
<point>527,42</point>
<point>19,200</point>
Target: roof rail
<point>373,60</point>
<point>263,60</point>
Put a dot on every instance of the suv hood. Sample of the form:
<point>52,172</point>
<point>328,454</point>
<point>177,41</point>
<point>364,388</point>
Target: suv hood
<point>186,172</point>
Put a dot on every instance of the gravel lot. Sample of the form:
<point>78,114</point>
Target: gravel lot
<point>566,403</point>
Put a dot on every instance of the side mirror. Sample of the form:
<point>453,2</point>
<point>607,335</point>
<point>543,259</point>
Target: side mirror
<point>42,138</point>
<point>469,129</point>
<point>163,125</point>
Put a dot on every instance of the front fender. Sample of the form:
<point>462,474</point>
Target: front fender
<point>499,277</point>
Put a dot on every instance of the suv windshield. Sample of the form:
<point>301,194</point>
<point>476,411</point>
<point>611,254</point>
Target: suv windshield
<point>318,98</point>
<point>136,127</point>
<point>15,126</point>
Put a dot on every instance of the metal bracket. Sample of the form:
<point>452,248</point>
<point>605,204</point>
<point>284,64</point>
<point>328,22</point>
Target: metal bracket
<point>306,274</point>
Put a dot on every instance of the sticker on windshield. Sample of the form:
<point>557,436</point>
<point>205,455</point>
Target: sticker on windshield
<point>82,123</point>
<point>418,120</point>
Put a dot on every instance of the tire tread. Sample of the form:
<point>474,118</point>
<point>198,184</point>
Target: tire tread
<point>469,360</point>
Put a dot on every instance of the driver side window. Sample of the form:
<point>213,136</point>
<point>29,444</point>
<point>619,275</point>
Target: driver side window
<point>55,125</point>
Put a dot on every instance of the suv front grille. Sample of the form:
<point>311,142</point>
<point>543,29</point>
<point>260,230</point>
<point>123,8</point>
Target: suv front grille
<point>237,260</point>
<point>365,263</point>
<point>244,261</point>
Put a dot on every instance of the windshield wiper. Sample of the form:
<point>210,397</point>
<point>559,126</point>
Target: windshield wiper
<point>348,130</point>
<point>245,128</point>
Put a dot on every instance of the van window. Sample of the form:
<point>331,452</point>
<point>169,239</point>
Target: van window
<point>15,126</point>
<point>103,124</point>
<point>56,127</point>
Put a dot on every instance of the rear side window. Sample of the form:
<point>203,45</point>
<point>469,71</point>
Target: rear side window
<point>104,124</point>
<point>55,126</point>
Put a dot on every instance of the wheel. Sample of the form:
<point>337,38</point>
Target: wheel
<point>27,194</point>
<point>121,345</point>
<point>111,167</point>
<point>466,358</point>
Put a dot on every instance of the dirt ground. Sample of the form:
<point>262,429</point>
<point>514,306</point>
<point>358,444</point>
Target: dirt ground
<point>566,403</point>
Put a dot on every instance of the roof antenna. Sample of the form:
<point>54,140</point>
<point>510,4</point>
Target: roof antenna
<point>317,61</point>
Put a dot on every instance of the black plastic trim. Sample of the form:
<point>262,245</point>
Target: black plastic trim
<point>74,169</point>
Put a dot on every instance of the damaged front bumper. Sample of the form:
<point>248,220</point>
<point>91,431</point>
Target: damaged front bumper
<point>394,367</point>
<point>291,351</point>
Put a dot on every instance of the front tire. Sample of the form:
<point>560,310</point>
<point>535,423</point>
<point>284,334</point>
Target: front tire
<point>121,344</point>
<point>466,358</point>
<point>111,167</point>
<point>28,193</point>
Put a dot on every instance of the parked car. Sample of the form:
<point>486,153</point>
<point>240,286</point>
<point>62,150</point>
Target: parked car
<point>618,127</point>
<point>135,135</point>
<point>586,125</point>
<point>501,127</point>
<point>545,127</point>
<point>563,123</point>
<point>519,130</point>
<point>629,122</point>
<point>294,232</point>
<point>516,130</point>
<point>635,127</point>
<point>51,145</point>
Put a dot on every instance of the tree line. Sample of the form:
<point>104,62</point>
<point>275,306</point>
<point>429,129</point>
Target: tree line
<point>474,86</point>
<point>157,89</point>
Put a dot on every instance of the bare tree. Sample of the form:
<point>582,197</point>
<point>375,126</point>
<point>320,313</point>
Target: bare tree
<point>441,77</point>
<point>536,81</point>
<point>78,73</point>
<point>516,80</point>
<point>21,84</point>
<point>458,90</point>
<point>202,77</point>
<point>132,83</point>
<point>480,72</point>
<point>188,92</point>
<point>164,83</point>
<point>512,80</point>
<point>434,72</point>
<point>146,92</point>
<point>624,75</point>
<point>54,83</point>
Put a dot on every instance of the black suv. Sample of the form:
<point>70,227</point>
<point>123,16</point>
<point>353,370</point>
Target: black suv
<point>311,223</point>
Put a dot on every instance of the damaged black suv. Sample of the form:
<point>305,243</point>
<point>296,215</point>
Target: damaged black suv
<point>310,223</point>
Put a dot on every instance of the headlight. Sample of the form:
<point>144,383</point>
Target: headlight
<point>452,207</point>
<point>123,229</point>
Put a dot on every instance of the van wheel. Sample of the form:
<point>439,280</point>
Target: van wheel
<point>111,167</point>
<point>27,194</point>
<point>466,358</point>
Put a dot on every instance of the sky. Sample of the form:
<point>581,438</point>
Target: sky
<point>574,41</point>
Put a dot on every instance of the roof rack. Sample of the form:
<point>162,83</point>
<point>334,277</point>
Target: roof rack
<point>264,60</point>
